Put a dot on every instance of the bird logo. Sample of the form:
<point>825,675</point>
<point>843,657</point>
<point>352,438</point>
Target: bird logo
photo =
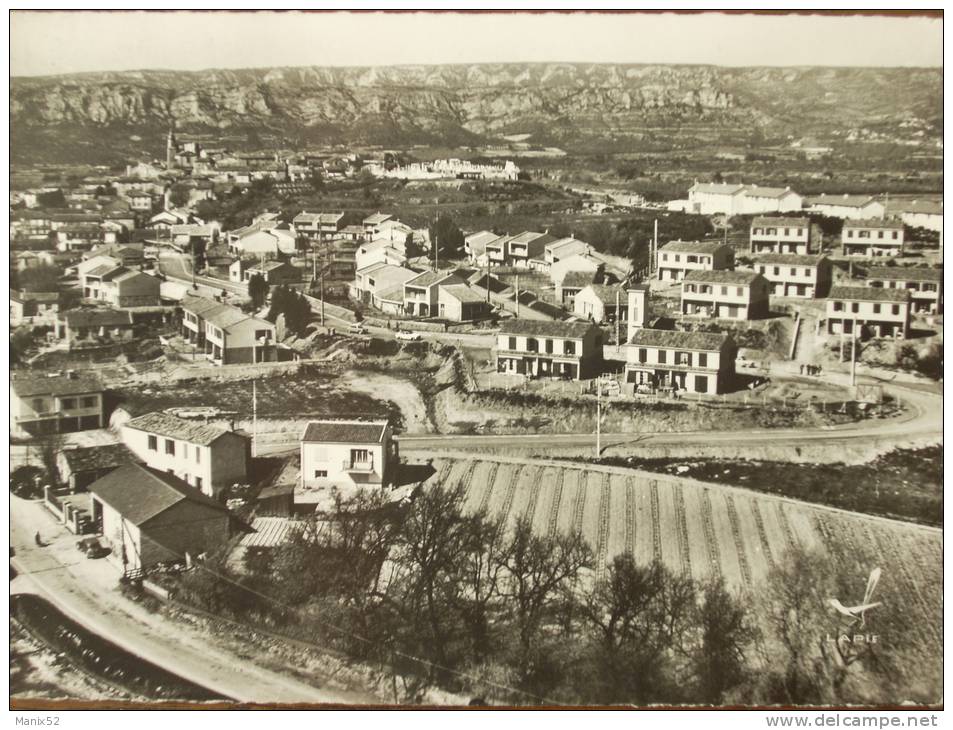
<point>858,613</point>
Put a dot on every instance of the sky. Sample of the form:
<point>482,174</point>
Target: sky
<point>45,43</point>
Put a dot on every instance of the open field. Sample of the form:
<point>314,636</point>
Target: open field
<point>706,530</point>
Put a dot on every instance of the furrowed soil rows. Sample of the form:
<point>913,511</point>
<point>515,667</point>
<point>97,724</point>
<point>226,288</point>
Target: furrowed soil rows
<point>740,550</point>
<point>751,525</point>
<point>579,506</point>
<point>556,493</point>
<point>535,487</point>
<point>590,511</point>
<point>503,513</point>
<point>758,518</point>
<point>457,472</point>
<point>488,488</point>
<point>803,528</point>
<point>645,524</point>
<point>682,537</point>
<point>479,485</point>
<point>618,515</point>
<point>711,540</point>
<point>697,543</point>
<point>630,507</point>
<point>668,526</point>
<point>573,486</point>
<point>602,542</point>
<point>467,482</point>
<point>789,539</point>
<point>656,522</point>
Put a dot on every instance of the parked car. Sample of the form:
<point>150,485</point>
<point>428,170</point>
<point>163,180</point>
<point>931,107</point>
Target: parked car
<point>408,336</point>
<point>93,549</point>
<point>357,329</point>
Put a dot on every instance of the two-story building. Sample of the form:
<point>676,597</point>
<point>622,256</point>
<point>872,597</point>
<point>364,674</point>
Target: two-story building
<point>205,456</point>
<point>45,404</point>
<point>872,237</point>
<point>736,199</point>
<point>859,310</point>
<point>371,225</point>
<point>460,303</point>
<point>563,248</point>
<point>697,362</point>
<point>474,245</point>
<point>725,294</point>
<point>780,235</point>
<point>346,453</point>
<point>676,258</point>
<point>527,247</point>
<point>378,279</point>
<point>538,348</point>
<point>793,275</point>
<point>318,225</point>
<point>232,337</point>
<point>422,293</point>
<point>924,284</point>
<point>274,273</point>
<point>380,250</point>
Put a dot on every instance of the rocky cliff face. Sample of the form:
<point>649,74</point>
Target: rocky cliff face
<point>479,100</point>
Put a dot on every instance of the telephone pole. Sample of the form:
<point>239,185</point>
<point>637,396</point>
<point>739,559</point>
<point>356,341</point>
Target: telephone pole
<point>598,417</point>
<point>618,321</point>
<point>516,297</point>
<point>654,256</point>
<point>254,418</point>
<point>853,355</point>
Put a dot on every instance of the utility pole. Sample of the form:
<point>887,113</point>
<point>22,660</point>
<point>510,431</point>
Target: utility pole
<point>436,248</point>
<point>654,256</point>
<point>618,321</point>
<point>516,297</point>
<point>853,355</point>
<point>254,418</point>
<point>843,332</point>
<point>598,417</point>
<point>322,295</point>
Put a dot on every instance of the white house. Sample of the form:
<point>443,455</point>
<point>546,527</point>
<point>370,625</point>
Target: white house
<point>845,206</point>
<point>346,453</point>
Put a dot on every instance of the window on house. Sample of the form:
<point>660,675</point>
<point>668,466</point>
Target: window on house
<point>894,236</point>
<point>170,447</point>
<point>850,234</point>
<point>683,358</point>
<point>854,307</point>
<point>876,309</point>
<point>89,401</point>
<point>38,405</point>
<point>69,403</point>
<point>360,456</point>
<point>549,346</point>
<point>662,356</point>
<point>512,343</point>
<point>740,291</point>
<point>664,257</point>
<point>532,345</point>
<point>703,359</point>
<point>763,269</point>
<point>807,272</point>
<point>800,231</point>
<point>198,455</point>
<point>724,291</point>
<point>838,306</point>
<point>787,231</point>
<point>643,355</point>
<point>896,309</point>
<point>777,270</point>
<point>153,443</point>
<point>757,231</point>
<point>185,451</point>
<point>320,473</point>
<point>569,347</point>
<point>793,271</point>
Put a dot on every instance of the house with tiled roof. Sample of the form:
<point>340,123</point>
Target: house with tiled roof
<point>346,453</point>
<point>148,516</point>
<point>461,303</point>
<point>318,225</point>
<point>924,284</point>
<point>736,199</point>
<point>725,294</point>
<point>90,327</point>
<point>676,258</point>
<point>549,349</point>
<point>696,362</point>
<point>874,311</point>
<point>371,225</point>
<point>422,295</point>
<point>474,245</point>
<point>845,206</point>
<point>372,281</point>
<point>918,213</point>
<point>795,275</point>
<point>872,237</point>
<point>380,250</point>
<point>44,404</point>
<point>207,457</point>
<point>602,303</point>
<point>226,334</point>
<point>780,235</point>
<point>563,248</point>
<point>80,466</point>
<point>275,273</point>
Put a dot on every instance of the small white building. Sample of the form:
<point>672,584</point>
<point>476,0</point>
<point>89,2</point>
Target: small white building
<point>873,237</point>
<point>347,453</point>
<point>878,311</point>
<point>846,206</point>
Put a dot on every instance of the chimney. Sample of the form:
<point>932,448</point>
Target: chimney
<point>638,300</point>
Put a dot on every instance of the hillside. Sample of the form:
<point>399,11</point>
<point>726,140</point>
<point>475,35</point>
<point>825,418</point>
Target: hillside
<point>557,103</point>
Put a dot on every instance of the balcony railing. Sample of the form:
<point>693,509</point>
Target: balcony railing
<point>353,465</point>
